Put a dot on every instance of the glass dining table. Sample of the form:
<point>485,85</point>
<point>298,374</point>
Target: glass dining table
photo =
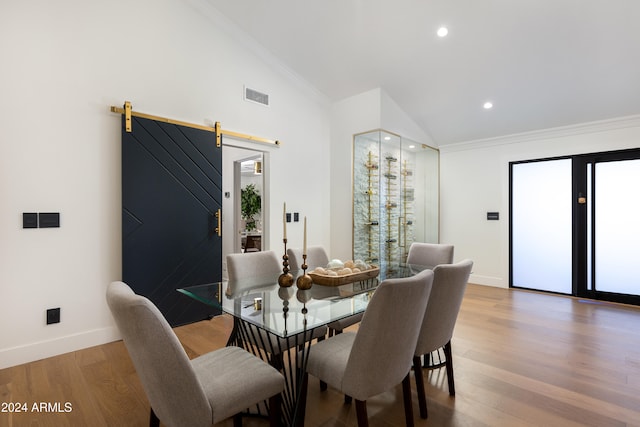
<point>278,323</point>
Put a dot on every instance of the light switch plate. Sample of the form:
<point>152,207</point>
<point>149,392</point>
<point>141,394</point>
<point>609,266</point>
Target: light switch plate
<point>29,220</point>
<point>49,219</point>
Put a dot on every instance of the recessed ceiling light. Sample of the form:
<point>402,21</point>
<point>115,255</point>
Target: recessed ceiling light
<point>488,105</point>
<point>442,31</point>
<point>387,138</point>
<point>412,146</point>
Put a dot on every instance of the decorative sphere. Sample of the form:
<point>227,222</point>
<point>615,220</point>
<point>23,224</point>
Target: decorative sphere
<point>285,280</point>
<point>304,282</point>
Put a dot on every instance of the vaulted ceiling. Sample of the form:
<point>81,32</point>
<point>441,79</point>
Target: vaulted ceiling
<point>542,63</point>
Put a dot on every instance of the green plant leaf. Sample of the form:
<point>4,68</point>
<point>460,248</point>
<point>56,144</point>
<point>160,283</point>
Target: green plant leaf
<point>250,205</point>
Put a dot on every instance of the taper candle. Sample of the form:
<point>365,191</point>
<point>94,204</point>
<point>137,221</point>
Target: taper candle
<point>304,242</point>
<point>284,220</point>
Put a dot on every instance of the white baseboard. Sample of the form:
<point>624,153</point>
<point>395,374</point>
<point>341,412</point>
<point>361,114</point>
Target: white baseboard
<point>497,282</point>
<point>41,350</point>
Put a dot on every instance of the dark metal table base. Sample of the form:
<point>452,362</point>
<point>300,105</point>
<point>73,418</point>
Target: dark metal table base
<point>289,355</point>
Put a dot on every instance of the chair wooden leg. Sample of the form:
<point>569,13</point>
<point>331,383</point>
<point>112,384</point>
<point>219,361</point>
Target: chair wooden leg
<point>154,421</point>
<point>422,398</point>
<point>275,410</point>
<point>406,394</point>
<point>237,420</point>
<point>361,412</point>
<point>449,365</point>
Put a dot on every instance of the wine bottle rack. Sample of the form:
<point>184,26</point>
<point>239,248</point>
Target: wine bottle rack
<point>383,202</point>
<point>395,197</point>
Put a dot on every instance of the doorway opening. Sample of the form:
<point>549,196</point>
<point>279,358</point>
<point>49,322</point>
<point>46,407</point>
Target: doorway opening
<point>251,190</point>
<point>245,171</point>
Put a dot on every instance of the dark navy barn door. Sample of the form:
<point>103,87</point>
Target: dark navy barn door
<point>171,191</point>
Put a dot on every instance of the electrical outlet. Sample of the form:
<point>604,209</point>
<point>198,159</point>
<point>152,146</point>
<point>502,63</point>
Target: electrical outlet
<point>53,315</point>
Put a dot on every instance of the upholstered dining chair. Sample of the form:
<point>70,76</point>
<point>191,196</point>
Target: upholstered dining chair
<point>183,392</point>
<point>430,254</point>
<point>449,284</point>
<point>252,265</point>
<point>316,257</point>
<point>378,356</point>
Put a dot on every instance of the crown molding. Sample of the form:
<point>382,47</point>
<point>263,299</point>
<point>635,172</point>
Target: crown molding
<point>550,133</point>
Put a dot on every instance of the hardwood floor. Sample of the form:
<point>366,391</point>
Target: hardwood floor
<point>521,359</point>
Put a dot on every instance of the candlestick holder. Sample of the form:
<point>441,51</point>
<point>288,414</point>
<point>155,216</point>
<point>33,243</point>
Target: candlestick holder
<point>305,281</point>
<point>285,294</point>
<point>285,279</point>
<point>304,296</point>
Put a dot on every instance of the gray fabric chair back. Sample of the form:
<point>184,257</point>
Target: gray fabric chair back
<point>316,257</point>
<point>449,284</point>
<point>246,266</point>
<point>382,352</point>
<point>175,394</point>
<point>430,254</point>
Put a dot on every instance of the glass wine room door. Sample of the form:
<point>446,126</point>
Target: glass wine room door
<point>574,225</point>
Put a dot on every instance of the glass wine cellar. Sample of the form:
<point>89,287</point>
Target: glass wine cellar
<point>395,196</point>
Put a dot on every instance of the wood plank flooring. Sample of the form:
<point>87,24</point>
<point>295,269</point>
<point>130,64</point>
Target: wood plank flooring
<point>521,359</point>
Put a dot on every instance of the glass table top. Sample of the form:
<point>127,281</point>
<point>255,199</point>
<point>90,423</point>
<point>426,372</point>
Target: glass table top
<point>288,311</point>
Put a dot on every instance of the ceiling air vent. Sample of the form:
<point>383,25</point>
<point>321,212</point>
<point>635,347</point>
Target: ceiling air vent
<point>255,96</point>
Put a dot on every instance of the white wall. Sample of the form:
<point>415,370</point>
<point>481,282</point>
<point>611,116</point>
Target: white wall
<point>356,114</point>
<point>394,119</point>
<point>63,64</point>
<point>475,180</point>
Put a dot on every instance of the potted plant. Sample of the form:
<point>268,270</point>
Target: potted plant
<point>250,205</point>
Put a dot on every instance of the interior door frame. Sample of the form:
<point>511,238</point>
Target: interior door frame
<point>230,217</point>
